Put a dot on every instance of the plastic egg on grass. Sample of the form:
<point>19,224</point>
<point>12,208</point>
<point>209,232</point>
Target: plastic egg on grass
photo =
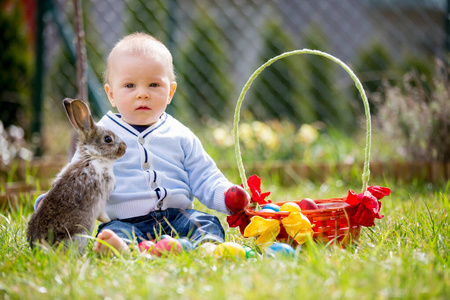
<point>146,246</point>
<point>280,250</point>
<point>249,252</point>
<point>186,244</point>
<point>164,236</point>
<point>272,206</point>
<point>207,248</point>
<point>166,246</point>
<point>230,250</point>
<point>290,206</point>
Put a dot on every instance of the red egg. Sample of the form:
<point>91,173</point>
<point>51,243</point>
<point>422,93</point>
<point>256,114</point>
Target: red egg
<point>307,204</point>
<point>236,199</point>
<point>166,246</point>
<point>146,246</point>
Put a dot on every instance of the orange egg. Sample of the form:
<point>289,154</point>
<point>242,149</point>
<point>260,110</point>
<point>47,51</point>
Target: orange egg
<point>290,206</point>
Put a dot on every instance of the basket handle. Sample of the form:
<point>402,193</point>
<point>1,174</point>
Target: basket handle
<point>237,150</point>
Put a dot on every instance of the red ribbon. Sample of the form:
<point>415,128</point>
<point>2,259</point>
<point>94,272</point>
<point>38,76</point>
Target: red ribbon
<point>254,183</point>
<point>240,219</point>
<point>370,205</point>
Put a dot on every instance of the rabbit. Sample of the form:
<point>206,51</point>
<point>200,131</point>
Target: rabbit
<point>78,195</point>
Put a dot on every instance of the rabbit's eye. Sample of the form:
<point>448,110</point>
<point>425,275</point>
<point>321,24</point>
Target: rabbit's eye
<point>108,139</point>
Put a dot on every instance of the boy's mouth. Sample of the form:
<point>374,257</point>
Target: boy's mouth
<point>143,108</point>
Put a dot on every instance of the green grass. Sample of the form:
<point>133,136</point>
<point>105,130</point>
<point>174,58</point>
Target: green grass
<point>406,256</point>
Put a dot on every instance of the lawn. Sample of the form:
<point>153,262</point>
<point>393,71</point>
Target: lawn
<point>406,255</point>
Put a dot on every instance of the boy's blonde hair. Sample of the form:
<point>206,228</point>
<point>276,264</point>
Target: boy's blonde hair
<point>141,44</point>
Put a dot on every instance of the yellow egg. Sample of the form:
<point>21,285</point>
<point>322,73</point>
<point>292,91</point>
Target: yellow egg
<point>230,250</point>
<point>290,206</point>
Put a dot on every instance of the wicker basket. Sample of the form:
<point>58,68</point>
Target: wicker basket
<point>333,221</point>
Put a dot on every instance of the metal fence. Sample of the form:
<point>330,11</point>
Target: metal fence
<point>218,44</point>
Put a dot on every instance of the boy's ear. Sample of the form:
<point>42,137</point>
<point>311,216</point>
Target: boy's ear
<point>173,88</point>
<point>109,93</point>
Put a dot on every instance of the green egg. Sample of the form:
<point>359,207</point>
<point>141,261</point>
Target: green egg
<point>249,252</point>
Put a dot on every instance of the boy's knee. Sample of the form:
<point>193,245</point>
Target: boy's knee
<point>207,228</point>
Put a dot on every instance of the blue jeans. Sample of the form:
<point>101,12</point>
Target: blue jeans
<point>196,225</point>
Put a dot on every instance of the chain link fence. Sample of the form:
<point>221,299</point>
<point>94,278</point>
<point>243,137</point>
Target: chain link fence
<point>217,45</point>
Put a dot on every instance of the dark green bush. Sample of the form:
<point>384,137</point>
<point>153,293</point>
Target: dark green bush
<point>203,72</point>
<point>279,91</point>
<point>331,104</point>
<point>15,63</point>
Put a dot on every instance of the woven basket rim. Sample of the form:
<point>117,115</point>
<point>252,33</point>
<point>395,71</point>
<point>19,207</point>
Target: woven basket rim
<point>281,214</point>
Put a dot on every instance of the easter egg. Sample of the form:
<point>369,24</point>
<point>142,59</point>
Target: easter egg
<point>145,246</point>
<point>290,206</point>
<point>164,236</point>
<point>307,204</point>
<point>166,246</point>
<point>186,244</point>
<point>229,250</point>
<point>207,248</point>
<point>236,199</point>
<point>272,206</point>
<point>249,252</point>
<point>280,250</point>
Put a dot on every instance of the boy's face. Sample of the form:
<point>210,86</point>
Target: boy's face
<point>140,87</point>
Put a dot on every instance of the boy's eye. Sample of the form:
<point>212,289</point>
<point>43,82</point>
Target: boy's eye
<point>129,85</point>
<point>154,85</point>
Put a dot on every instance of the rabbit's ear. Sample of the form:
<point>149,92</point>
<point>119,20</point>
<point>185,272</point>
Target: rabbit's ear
<point>67,105</point>
<point>79,115</point>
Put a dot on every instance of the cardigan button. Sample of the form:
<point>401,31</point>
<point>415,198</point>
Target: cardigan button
<point>141,140</point>
<point>154,185</point>
<point>146,166</point>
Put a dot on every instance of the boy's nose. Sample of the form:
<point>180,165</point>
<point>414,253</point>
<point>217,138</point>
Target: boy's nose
<point>142,93</point>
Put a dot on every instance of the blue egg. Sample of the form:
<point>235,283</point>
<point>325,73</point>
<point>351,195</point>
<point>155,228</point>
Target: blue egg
<point>186,244</point>
<point>164,236</point>
<point>272,206</point>
<point>280,250</point>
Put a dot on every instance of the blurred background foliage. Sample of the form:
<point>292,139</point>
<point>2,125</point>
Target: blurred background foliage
<point>301,108</point>
<point>16,66</point>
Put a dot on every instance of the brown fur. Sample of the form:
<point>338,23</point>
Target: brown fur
<point>79,194</point>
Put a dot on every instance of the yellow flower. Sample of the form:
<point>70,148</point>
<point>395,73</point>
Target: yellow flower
<point>307,134</point>
<point>266,229</point>
<point>298,226</point>
<point>246,136</point>
<point>272,141</point>
<point>245,131</point>
<point>261,130</point>
<point>266,135</point>
<point>222,136</point>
